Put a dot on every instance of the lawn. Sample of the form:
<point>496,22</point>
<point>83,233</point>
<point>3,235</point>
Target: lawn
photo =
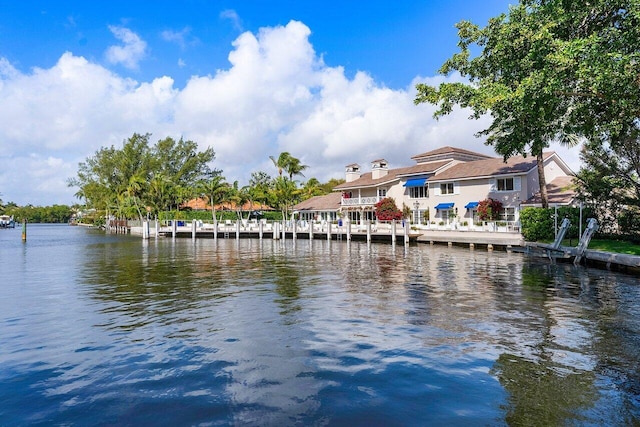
<point>607,245</point>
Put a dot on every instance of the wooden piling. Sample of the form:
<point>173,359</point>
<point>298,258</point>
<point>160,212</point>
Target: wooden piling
<point>393,231</point>
<point>24,230</point>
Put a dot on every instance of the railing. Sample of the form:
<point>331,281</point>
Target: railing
<point>359,201</point>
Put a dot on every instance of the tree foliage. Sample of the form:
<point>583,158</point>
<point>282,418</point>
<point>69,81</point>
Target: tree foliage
<point>126,180</point>
<point>610,182</point>
<point>548,70</point>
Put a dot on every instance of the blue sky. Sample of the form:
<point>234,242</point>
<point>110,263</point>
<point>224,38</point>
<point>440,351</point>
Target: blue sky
<point>332,82</point>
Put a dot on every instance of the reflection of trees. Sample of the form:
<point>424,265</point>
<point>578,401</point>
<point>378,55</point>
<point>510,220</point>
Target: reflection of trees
<point>286,277</point>
<point>544,389</point>
<point>543,393</point>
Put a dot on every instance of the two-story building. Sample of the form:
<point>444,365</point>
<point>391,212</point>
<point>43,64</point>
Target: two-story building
<point>443,186</point>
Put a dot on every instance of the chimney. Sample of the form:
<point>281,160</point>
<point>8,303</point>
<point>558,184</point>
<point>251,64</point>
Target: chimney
<point>379,168</point>
<point>352,172</point>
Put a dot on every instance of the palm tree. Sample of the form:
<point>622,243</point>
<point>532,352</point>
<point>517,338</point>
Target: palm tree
<point>281,162</point>
<point>295,167</point>
<point>216,191</point>
<point>311,188</point>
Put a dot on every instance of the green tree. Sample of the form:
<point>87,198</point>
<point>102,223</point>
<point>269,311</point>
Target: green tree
<point>610,182</point>
<point>311,188</point>
<point>548,70</point>
<point>260,186</point>
<point>285,193</point>
<point>216,191</point>
<point>289,164</point>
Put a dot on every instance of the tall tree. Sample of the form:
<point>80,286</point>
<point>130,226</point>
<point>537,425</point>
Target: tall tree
<point>543,74</point>
<point>281,162</point>
<point>215,190</point>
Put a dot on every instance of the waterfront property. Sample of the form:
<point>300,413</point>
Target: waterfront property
<point>444,187</point>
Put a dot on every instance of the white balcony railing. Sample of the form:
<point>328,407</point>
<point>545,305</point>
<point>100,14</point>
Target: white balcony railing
<point>360,201</point>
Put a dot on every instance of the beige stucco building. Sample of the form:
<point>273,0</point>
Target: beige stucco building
<point>444,186</point>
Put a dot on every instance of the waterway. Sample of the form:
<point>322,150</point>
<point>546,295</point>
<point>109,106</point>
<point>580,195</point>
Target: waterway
<point>100,329</point>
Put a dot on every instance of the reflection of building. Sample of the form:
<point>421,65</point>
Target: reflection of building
<point>447,184</point>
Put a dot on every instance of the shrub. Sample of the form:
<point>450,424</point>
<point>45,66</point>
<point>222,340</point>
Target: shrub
<point>489,209</point>
<point>536,224</point>
<point>387,210</point>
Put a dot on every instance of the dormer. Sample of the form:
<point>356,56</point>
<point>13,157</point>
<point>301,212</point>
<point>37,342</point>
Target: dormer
<point>352,172</point>
<point>379,168</point>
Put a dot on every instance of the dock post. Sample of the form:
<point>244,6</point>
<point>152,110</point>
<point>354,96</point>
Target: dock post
<point>174,228</point>
<point>490,247</point>
<point>329,230</point>
<point>406,231</point>
<point>368,231</point>
<point>237,229</point>
<point>393,231</point>
<point>348,231</point>
<point>157,228</point>
<point>295,230</point>
<point>260,229</point>
<point>472,246</point>
<point>193,229</point>
<point>215,229</point>
<point>145,229</point>
<point>284,229</point>
<point>311,229</point>
<point>24,230</point>
<point>276,230</point>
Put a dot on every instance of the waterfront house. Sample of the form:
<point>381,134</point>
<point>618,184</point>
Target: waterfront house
<point>444,187</point>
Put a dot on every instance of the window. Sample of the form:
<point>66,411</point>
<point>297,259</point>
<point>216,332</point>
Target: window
<point>382,192</point>
<point>418,192</point>
<point>508,214</point>
<point>446,188</point>
<point>505,184</point>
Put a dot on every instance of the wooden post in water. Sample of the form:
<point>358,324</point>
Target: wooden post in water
<point>174,228</point>
<point>310,229</point>
<point>157,228</point>
<point>193,229</point>
<point>348,231</point>
<point>237,229</point>
<point>260,228</point>
<point>393,231</point>
<point>24,230</point>
<point>215,229</point>
<point>406,231</point>
<point>368,231</point>
<point>284,229</point>
<point>329,230</point>
<point>276,230</point>
<point>295,230</point>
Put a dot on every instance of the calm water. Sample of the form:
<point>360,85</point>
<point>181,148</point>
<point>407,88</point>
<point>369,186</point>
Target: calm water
<point>111,330</point>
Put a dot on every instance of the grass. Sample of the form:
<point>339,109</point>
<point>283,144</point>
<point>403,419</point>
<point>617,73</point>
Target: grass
<point>607,245</point>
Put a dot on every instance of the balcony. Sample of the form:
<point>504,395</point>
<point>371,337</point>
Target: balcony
<point>360,201</point>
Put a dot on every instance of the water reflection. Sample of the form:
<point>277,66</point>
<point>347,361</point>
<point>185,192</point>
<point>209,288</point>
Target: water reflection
<point>272,333</point>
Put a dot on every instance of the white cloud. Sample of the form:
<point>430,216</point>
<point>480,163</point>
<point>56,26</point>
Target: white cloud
<point>179,37</point>
<point>277,95</point>
<point>232,16</point>
<point>132,50</point>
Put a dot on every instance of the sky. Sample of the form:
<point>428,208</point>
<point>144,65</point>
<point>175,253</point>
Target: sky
<point>331,82</point>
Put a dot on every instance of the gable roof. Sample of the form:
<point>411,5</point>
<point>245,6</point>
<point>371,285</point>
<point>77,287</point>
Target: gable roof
<point>366,179</point>
<point>560,191</point>
<point>448,150</point>
<point>327,202</point>
<point>490,167</point>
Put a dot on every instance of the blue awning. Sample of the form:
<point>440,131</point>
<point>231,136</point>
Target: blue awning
<point>472,205</point>
<point>444,206</point>
<point>417,182</point>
